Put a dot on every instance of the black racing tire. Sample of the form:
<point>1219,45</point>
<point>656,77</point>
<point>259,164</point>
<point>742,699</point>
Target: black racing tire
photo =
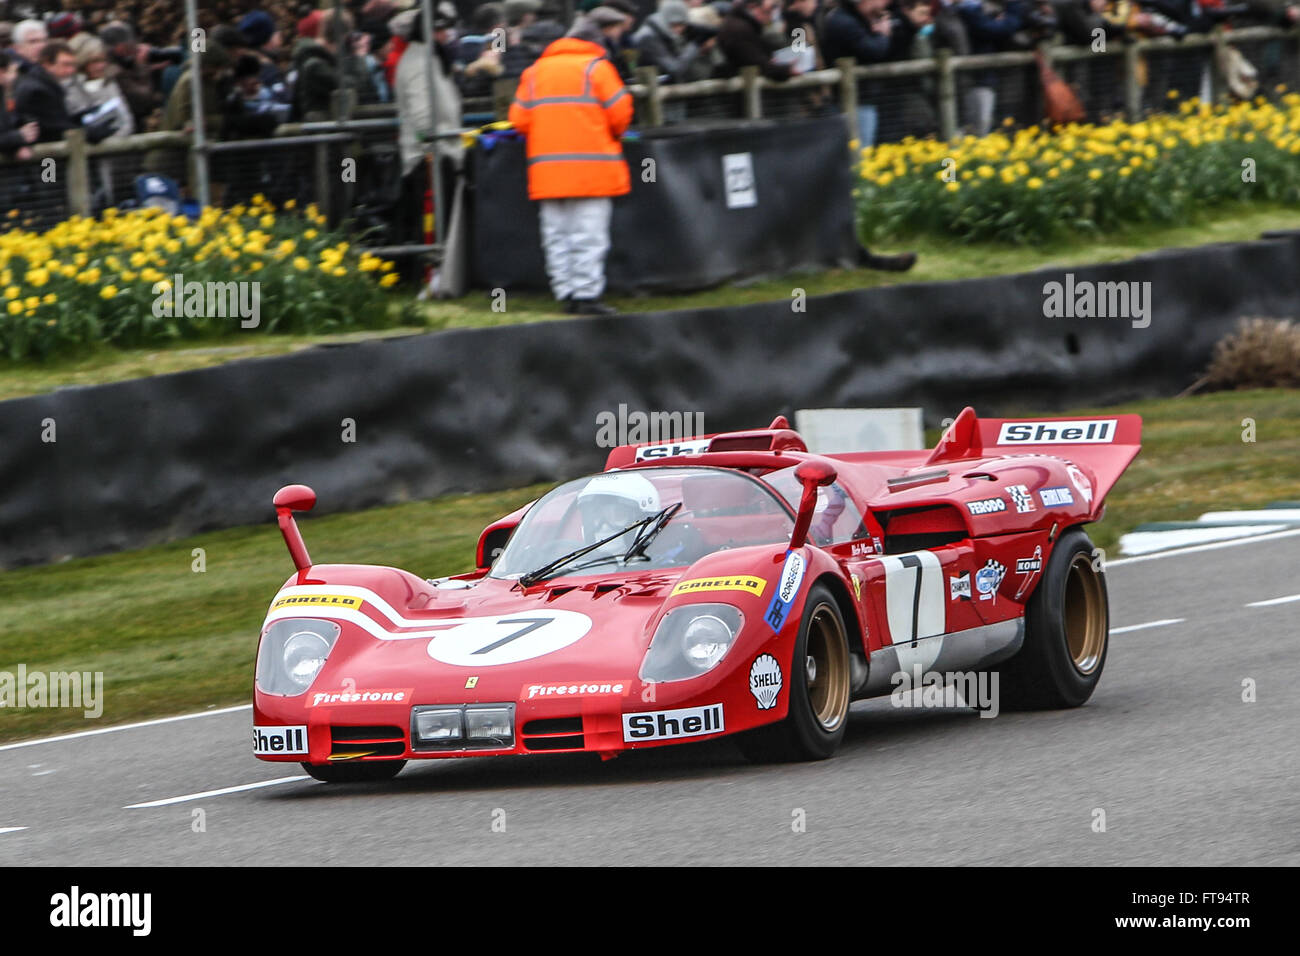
<point>1067,632</point>
<point>818,708</point>
<point>367,771</point>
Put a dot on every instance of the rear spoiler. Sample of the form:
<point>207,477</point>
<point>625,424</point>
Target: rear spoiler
<point>1105,444</point>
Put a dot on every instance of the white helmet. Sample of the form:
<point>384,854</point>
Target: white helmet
<point>614,501</point>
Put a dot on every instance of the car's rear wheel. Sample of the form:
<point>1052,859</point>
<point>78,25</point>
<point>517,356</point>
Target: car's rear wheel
<point>1067,628</point>
<point>355,772</point>
<point>819,690</point>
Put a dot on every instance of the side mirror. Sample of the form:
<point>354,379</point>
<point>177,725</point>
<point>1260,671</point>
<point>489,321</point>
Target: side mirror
<point>812,473</point>
<point>287,500</point>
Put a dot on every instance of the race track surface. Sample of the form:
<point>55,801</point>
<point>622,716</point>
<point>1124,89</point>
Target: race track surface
<point>1185,771</point>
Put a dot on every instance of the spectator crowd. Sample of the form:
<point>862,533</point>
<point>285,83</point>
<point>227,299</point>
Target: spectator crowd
<point>116,67</point>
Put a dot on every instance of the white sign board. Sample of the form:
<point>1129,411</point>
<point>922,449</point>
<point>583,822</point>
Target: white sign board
<point>738,180</point>
<point>831,430</point>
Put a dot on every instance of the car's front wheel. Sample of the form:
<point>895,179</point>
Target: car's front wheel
<point>358,772</point>
<point>819,690</point>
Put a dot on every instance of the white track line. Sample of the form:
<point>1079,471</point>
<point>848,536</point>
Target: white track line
<point>11,829</point>
<point>1213,546</point>
<point>1139,627</point>
<point>117,727</point>
<point>214,793</point>
<point>1282,600</point>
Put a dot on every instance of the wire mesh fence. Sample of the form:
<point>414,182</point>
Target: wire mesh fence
<point>354,172</point>
<point>32,195</point>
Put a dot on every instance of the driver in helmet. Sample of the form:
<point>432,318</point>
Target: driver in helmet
<point>610,503</point>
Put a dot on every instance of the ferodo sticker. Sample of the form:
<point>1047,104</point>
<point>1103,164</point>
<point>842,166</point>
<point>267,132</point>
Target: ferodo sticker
<point>787,590</point>
<point>754,586</point>
<point>317,600</point>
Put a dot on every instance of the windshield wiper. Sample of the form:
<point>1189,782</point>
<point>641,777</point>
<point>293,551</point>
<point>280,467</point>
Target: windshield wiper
<point>532,577</point>
<point>648,533</point>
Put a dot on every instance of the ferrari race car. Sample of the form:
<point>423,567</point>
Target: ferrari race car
<point>731,584</point>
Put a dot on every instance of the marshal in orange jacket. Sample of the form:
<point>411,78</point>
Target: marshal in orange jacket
<point>573,108</point>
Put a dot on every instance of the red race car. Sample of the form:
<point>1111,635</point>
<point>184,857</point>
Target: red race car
<point>733,584</point>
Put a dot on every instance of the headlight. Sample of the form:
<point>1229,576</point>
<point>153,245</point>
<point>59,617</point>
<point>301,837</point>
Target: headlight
<point>292,654</point>
<point>433,727</point>
<point>488,726</point>
<point>489,723</point>
<point>304,656</point>
<point>690,641</point>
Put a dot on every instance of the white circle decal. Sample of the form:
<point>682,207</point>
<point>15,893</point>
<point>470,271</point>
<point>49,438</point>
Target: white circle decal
<point>508,638</point>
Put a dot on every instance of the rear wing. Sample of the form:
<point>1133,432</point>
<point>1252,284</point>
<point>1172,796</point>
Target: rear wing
<point>1105,444</point>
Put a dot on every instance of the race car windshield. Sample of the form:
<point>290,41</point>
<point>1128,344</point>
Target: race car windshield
<point>642,518</point>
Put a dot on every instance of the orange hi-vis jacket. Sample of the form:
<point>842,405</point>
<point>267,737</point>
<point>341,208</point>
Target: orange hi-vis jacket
<point>573,108</point>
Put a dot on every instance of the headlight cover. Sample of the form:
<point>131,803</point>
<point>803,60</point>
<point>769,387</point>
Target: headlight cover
<point>691,641</point>
<point>292,654</point>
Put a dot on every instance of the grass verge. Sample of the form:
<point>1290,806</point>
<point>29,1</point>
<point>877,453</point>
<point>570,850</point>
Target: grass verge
<point>169,639</point>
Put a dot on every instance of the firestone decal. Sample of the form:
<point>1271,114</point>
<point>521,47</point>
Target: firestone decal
<point>576,689</point>
<point>361,697</point>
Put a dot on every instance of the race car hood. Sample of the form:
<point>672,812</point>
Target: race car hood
<point>490,640</point>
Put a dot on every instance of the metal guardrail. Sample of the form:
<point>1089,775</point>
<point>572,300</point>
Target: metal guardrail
<point>752,91</point>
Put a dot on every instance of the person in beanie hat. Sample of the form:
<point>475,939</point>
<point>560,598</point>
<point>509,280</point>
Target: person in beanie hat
<point>661,42</point>
<point>257,28</point>
<point>572,108</point>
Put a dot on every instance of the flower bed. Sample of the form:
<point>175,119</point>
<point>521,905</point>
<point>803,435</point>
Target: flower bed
<point>1034,184</point>
<point>112,279</point>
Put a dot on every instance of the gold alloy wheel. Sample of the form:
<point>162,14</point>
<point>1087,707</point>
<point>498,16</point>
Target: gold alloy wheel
<point>1084,614</point>
<point>827,668</point>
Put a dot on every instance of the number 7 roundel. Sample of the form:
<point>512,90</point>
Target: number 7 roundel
<point>508,638</point>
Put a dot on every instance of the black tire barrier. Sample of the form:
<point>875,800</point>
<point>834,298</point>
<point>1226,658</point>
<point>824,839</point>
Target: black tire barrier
<point>154,459</point>
<point>677,233</point>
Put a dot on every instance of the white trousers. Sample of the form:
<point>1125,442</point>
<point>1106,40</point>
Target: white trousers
<point>575,237</point>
